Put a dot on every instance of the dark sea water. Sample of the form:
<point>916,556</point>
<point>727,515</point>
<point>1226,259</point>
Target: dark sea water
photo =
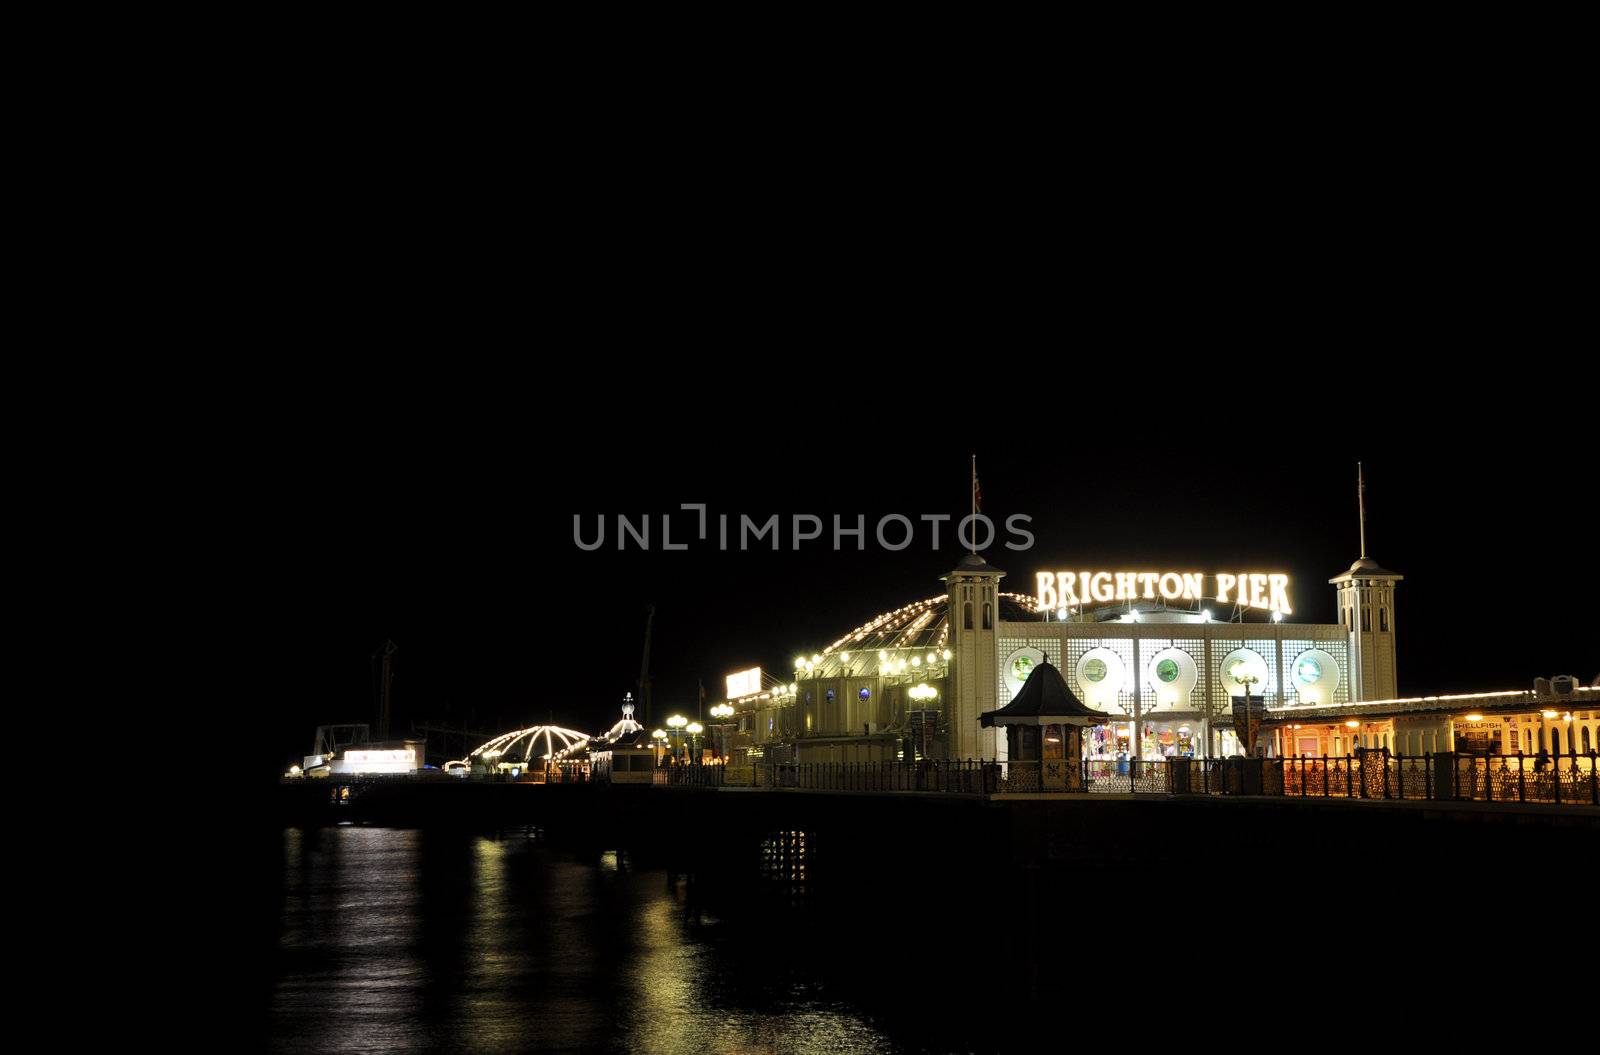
<point>397,940</point>
<point>933,929</point>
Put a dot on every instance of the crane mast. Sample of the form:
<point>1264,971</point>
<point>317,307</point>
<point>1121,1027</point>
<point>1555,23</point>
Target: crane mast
<point>644,664</point>
<point>385,652</point>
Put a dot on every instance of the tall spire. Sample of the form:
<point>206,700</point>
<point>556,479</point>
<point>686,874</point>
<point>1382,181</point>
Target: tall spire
<point>1361,497</point>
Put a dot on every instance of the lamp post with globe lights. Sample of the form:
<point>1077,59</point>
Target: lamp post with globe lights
<point>676,723</point>
<point>722,712</point>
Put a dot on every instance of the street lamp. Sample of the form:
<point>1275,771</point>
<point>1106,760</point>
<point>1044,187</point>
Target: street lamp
<point>694,730</point>
<point>660,738</point>
<point>677,722</point>
<point>722,711</point>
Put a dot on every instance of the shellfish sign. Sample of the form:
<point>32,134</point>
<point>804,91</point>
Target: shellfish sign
<point>1268,591</point>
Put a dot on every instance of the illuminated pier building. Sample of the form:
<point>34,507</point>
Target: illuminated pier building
<point>1165,654</point>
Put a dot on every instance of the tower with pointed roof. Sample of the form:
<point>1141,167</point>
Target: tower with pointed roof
<point>1366,610</point>
<point>974,588</point>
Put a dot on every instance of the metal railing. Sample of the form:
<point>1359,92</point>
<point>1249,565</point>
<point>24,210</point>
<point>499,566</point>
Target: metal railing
<point>964,777</point>
<point>1571,779</point>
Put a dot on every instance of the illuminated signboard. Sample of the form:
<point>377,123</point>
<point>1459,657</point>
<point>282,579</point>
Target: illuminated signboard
<point>378,757</point>
<point>744,683</point>
<point>1072,589</point>
<point>377,761</point>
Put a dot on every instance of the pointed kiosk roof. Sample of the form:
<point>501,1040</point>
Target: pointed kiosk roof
<point>1045,699</point>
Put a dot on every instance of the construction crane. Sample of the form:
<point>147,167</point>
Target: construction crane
<point>385,685</point>
<point>644,664</point>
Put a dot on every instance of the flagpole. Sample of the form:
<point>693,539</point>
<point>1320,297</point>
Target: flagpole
<point>973,538</point>
<point>1361,495</point>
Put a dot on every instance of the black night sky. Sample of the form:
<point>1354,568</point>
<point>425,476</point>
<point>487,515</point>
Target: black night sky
<point>455,539</point>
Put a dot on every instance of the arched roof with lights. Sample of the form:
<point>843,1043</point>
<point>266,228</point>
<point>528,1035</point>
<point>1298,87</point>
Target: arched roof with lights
<point>913,629</point>
<point>521,745</point>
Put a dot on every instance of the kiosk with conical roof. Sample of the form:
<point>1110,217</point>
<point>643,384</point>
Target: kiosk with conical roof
<point>1044,731</point>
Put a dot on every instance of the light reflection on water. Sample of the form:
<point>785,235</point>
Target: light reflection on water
<point>399,940</point>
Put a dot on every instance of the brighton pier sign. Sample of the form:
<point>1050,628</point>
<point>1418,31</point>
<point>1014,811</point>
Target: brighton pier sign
<point>1268,591</point>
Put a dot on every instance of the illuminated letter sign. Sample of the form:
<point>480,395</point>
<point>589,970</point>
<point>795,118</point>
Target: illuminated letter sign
<point>744,683</point>
<point>1070,589</point>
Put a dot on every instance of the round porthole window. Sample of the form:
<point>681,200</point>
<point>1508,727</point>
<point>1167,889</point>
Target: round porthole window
<point>830,695</point>
<point>1167,670</point>
<point>1243,670</point>
<point>1016,666</point>
<point>1314,676</point>
<point>865,694</point>
<point>1095,670</point>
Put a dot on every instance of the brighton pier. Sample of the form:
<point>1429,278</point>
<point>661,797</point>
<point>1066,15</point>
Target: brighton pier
<point>1103,683</point>
<point>978,742</point>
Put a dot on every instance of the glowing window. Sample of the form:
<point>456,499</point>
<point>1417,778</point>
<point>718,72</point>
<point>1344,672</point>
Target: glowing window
<point>1167,670</point>
<point>1308,671</point>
